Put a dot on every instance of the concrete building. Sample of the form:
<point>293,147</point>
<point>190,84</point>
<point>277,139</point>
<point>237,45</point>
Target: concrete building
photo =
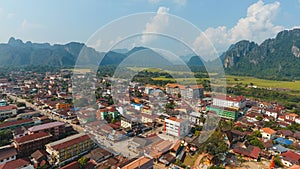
<point>176,126</point>
<point>57,129</point>
<point>7,111</point>
<point>69,148</point>
<point>30,143</point>
<point>234,102</point>
<point>7,154</point>
<point>268,133</point>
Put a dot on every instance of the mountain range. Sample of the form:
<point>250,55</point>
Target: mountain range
<point>276,58</point>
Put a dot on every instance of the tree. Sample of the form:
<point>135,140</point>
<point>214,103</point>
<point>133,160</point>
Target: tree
<point>257,133</point>
<point>259,118</point>
<point>83,162</point>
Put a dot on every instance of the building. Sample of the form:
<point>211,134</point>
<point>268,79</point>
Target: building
<point>28,144</point>
<point>59,106</point>
<point>15,124</point>
<point>268,133</point>
<point>290,158</point>
<point>7,111</point>
<point>7,154</point>
<point>56,129</point>
<point>226,113</point>
<point>140,163</point>
<point>17,164</point>
<point>176,126</point>
<point>69,148</point>
<point>191,92</point>
<point>233,102</point>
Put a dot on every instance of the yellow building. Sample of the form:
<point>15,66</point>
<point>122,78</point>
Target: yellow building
<point>69,148</point>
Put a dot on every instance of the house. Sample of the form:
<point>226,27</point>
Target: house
<point>249,153</point>
<point>19,132</point>
<point>195,118</point>
<point>69,148</point>
<point>7,154</point>
<point>140,163</point>
<point>290,158</point>
<point>278,149</point>
<point>271,112</point>
<point>39,158</point>
<point>98,155</point>
<point>285,133</point>
<point>291,116</point>
<point>138,144</point>
<point>268,133</point>
<point>30,143</point>
<point>176,126</point>
<point>17,164</point>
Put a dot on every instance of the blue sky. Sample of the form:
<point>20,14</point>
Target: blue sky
<point>223,22</point>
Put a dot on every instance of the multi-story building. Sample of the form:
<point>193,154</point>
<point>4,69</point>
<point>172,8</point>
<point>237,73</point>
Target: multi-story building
<point>192,91</point>
<point>57,129</point>
<point>234,102</point>
<point>226,113</point>
<point>15,124</point>
<point>176,126</point>
<point>7,111</point>
<point>30,143</point>
<point>69,148</point>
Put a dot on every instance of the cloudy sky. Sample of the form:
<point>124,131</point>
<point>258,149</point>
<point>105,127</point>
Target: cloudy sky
<point>220,22</point>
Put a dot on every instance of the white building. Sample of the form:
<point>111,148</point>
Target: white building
<point>268,133</point>
<point>7,154</point>
<point>236,102</point>
<point>8,111</point>
<point>176,126</point>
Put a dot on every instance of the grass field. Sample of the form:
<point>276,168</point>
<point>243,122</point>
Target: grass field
<point>292,85</point>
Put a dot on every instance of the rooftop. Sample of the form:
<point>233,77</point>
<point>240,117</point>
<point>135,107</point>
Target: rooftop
<point>136,163</point>
<point>69,141</point>
<point>32,137</point>
<point>268,130</point>
<point>7,152</point>
<point>15,164</point>
<point>45,126</point>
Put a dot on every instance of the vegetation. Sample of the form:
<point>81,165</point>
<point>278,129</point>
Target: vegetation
<point>5,137</point>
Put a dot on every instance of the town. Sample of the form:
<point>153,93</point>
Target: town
<point>138,126</point>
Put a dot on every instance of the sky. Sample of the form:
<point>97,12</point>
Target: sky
<point>219,23</point>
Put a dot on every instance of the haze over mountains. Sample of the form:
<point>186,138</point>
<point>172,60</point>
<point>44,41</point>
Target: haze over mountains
<point>276,58</point>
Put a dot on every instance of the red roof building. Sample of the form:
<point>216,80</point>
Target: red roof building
<point>30,143</point>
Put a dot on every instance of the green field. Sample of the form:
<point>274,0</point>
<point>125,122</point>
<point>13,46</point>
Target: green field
<point>263,83</point>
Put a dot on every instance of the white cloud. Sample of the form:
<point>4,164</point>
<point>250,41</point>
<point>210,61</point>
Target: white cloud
<point>156,25</point>
<point>256,26</point>
<point>176,2</point>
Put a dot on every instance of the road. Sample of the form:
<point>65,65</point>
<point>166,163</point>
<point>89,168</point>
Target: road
<point>44,112</point>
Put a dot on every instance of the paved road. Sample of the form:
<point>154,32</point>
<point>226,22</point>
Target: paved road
<point>44,112</point>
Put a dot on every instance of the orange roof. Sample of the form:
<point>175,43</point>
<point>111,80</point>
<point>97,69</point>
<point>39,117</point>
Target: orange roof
<point>196,86</point>
<point>175,119</point>
<point>137,163</point>
<point>268,130</point>
<point>292,114</point>
<point>175,85</point>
